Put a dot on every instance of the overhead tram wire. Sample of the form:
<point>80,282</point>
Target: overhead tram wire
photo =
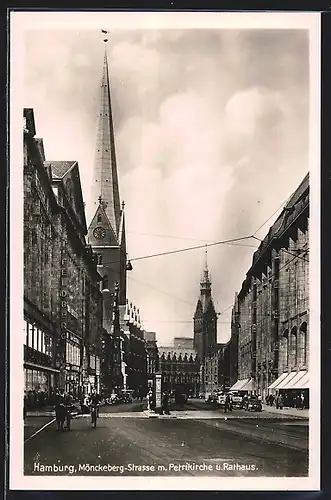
<point>184,238</point>
<point>271,216</point>
<point>168,294</point>
<point>161,291</point>
<point>287,251</point>
<point>186,249</point>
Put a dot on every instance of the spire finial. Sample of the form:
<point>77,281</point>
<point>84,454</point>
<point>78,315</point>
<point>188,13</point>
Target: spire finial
<point>100,199</point>
<point>105,32</point>
<point>123,205</point>
<point>206,257</point>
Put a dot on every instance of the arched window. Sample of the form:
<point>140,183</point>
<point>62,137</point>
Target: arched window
<point>99,219</point>
<point>99,258</point>
<point>302,346</point>
<point>283,352</point>
<point>293,349</point>
<point>105,282</point>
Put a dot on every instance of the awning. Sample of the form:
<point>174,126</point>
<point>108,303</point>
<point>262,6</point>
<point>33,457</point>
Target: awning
<point>248,386</point>
<point>286,380</point>
<point>303,383</point>
<point>239,384</point>
<point>27,364</point>
<point>278,381</point>
<point>290,384</point>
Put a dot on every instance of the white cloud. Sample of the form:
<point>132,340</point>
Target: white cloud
<point>201,137</point>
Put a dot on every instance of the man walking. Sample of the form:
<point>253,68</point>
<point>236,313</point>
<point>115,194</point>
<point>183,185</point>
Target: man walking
<point>165,403</point>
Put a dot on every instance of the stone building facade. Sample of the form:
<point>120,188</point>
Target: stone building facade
<point>180,366</point>
<point>272,310</point>
<point>152,353</point>
<point>134,358</point>
<point>62,300</point>
<point>217,369</point>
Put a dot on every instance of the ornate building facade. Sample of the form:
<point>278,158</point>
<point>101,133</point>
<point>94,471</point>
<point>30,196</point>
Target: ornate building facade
<point>62,300</point>
<point>272,310</point>
<point>152,354</point>
<point>134,358</point>
<point>205,325</point>
<point>180,366</point>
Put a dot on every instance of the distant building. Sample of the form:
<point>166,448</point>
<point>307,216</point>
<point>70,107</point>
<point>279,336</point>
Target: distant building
<point>217,369</point>
<point>205,319</point>
<point>180,366</point>
<point>271,314</point>
<point>183,342</point>
<point>134,351</point>
<point>152,353</point>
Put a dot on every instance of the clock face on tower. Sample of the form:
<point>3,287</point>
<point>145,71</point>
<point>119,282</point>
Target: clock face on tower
<point>99,233</point>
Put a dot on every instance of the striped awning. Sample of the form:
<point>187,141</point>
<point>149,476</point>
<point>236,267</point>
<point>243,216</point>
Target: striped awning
<point>301,381</point>
<point>239,384</point>
<point>284,383</point>
<point>278,381</point>
<point>248,386</point>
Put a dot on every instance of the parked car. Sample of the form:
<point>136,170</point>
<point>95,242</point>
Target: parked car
<point>112,399</point>
<point>253,404</point>
<point>236,399</point>
<point>211,397</point>
<point>125,396</point>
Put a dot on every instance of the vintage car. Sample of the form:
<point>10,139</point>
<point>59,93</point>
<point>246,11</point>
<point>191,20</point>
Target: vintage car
<point>236,399</point>
<point>253,403</point>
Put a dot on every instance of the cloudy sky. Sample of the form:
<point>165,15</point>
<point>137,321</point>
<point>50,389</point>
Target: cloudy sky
<point>211,134</point>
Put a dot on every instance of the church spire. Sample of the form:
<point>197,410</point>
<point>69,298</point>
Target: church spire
<point>105,180</point>
<point>205,284</point>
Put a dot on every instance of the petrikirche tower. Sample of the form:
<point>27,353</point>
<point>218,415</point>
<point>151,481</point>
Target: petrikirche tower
<point>106,233</point>
<point>205,319</point>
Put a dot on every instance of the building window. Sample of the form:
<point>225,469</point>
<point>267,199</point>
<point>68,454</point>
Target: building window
<point>25,333</point>
<point>30,335</point>
<point>302,346</point>
<point>99,219</point>
<point>293,348</point>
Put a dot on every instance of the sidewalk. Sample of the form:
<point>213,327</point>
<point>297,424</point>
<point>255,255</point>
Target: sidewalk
<point>289,412</point>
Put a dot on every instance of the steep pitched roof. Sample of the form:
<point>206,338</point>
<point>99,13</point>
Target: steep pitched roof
<point>60,168</point>
<point>62,171</point>
<point>110,238</point>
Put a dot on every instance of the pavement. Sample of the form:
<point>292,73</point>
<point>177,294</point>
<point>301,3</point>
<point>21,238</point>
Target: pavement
<point>171,447</point>
<point>194,409</point>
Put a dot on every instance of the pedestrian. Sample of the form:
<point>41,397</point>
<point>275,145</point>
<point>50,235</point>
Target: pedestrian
<point>60,411</point>
<point>226,403</point>
<point>279,403</point>
<point>149,399</point>
<point>165,403</point>
<point>230,402</point>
